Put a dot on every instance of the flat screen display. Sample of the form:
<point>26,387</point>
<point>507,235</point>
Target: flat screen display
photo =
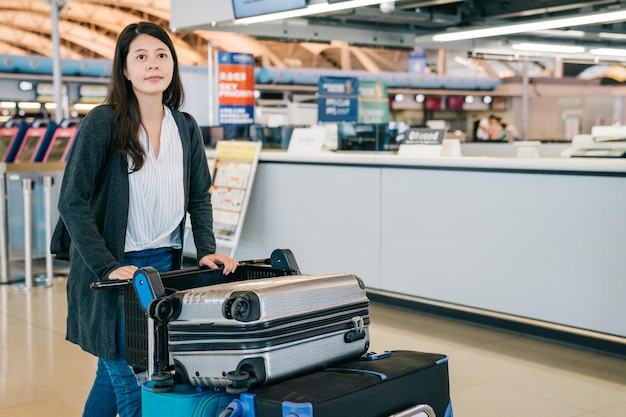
<point>215,133</point>
<point>29,148</point>
<point>499,103</point>
<point>455,102</point>
<point>249,8</point>
<point>5,141</point>
<point>57,149</point>
<point>432,103</point>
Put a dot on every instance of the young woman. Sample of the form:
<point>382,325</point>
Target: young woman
<point>136,169</point>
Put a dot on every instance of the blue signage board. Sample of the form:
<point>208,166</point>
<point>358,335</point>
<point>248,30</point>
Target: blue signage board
<point>338,99</point>
<point>417,60</point>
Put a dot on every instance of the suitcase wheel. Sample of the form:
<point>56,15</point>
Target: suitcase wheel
<point>164,382</point>
<point>180,374</point>
<point>242,306</point>
<point>236,308</point>
<point>239,382</point>
<point>163,310</point>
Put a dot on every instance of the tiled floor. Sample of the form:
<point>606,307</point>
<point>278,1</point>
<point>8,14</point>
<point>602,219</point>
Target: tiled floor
<point>492,374</point>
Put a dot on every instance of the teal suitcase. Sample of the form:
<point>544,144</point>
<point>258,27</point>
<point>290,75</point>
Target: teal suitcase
<point>183,401</point>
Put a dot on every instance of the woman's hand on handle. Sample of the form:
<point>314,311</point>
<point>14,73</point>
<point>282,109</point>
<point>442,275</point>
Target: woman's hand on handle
<point>123,272</point>
<point>216,259</point>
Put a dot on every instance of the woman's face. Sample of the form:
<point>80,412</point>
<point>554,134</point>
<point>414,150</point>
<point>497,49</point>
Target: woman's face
<point>149,65</point>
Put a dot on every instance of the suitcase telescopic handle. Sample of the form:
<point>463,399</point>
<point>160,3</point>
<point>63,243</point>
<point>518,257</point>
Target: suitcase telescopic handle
<point>421,410</point>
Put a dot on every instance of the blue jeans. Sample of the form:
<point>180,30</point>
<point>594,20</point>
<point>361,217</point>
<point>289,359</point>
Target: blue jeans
<point>115,389</point>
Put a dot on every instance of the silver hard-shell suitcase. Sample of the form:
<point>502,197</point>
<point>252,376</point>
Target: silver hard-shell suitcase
<point>244,334</point>
<point>146,331</point>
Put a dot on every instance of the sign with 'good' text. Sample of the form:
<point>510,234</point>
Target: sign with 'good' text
<point>421,142</point>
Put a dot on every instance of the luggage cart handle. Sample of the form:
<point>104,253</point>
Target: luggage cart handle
<point>280,258</point>
<point>112,284</point>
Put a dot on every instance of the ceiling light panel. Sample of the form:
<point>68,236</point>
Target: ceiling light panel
<point>311,9</point>
<point>609,52</point>
<point>545,47</point>
<point>544,24</point>
<point>616,36</point>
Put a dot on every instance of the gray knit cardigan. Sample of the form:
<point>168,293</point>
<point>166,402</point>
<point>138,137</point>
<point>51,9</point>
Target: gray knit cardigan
<point>93,204</point>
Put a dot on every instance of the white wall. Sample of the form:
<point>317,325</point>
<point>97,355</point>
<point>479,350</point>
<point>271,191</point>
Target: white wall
<point>196,86</point>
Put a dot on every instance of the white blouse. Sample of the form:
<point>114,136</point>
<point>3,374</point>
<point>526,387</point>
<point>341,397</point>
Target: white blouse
<point>156,205</point>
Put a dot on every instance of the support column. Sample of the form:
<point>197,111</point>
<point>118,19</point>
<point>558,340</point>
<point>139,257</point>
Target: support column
<point>525,101</point>
<point>47,195</point>
<point>56,62</point>
<point>442,62</point>
<point>4,243</point>
<point>29,282</point>
<point>213,93</point>
<point>558,67</point>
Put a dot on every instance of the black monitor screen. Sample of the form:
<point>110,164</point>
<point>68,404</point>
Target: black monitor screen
<point>29,149</point>
<point>432,103</point>
<point>58,149</point>
<point>455,102</point>
<point>4,145</point>
<point>236,131</point>
<point>216,132</point>
<point>211,134</point>
<point>248,8</point>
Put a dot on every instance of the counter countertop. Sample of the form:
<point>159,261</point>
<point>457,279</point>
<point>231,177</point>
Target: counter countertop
<point>590,165</point>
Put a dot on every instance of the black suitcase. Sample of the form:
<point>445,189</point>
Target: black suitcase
<point>397,383</point>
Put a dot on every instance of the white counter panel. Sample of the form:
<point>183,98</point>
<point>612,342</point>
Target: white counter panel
<point>542,239</point>
<point>318,212</point>
<point>547,247</point>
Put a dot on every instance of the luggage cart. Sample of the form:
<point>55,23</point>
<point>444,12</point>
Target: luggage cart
<point>146,339</point>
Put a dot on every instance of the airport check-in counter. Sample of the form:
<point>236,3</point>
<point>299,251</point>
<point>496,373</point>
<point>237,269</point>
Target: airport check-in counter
<point>540,240</point>
<point>537,240</point>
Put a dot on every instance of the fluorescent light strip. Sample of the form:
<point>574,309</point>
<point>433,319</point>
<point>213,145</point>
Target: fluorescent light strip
<point>545,47</point>
<point>532,26</point>
<point>561,33</point>
<point>607,35</point>
<point>84,106</point>
<point>609,52</point>
<point>309,10</point>
<point>29,105</point>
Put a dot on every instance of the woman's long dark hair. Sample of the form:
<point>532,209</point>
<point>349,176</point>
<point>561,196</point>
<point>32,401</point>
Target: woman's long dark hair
<point>122,97</point>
